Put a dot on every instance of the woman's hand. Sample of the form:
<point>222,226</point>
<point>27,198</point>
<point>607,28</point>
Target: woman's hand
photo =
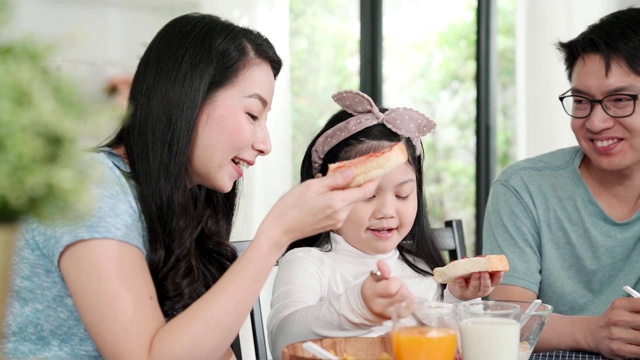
<point>381,294</point>
<point>315,206</point>
<point>477,285</point>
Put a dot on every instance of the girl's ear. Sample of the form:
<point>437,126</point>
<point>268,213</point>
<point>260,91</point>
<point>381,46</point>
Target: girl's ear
<point>318,176</point>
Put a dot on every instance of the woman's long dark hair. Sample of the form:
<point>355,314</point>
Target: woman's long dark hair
<point>420,242</point>
<point>189,60</point>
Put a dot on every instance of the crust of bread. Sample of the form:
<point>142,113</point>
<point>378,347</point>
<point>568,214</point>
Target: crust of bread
<point>466,266</point>
<point>373,165</point>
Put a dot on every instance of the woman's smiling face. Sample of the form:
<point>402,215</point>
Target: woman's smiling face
<point>231,130</point>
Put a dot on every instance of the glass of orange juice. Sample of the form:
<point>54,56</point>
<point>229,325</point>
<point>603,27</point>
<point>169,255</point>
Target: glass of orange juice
<point>424,329</point>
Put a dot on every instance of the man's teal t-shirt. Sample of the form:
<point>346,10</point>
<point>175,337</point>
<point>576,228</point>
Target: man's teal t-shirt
<point>560,243</point>
<point>42,320</point>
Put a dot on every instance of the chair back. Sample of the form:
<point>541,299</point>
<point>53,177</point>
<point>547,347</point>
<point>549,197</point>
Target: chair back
<point>450,239</point>
<point>257,320</point>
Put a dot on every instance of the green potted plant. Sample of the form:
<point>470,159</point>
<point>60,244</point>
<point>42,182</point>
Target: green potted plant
<point>41,116</point>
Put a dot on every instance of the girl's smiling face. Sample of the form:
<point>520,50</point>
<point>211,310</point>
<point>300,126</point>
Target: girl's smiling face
<point>377,225</point>
<point>231,130</point>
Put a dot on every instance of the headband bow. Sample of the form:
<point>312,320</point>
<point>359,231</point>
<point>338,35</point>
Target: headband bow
<point>403,121</point>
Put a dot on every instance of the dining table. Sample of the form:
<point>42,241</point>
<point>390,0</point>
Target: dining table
<point>359,348</point>
<point>373,348</point>
<point>566,355</point>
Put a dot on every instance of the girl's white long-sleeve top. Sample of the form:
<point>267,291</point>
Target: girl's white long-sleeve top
<point>316,294</point>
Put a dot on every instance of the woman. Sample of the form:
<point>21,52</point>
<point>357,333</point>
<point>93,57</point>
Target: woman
<point>149,272</point>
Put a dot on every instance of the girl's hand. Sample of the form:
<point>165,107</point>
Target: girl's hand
<point>478,284</point>
<point>381,294</point>
<point>315,206</point>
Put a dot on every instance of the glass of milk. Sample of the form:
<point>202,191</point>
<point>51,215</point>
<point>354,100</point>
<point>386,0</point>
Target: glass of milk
<point>489,330</point>
<point>530,331</point>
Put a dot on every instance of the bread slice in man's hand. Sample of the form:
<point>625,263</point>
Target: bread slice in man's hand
<point>373,165</point>
<point>466,266</point>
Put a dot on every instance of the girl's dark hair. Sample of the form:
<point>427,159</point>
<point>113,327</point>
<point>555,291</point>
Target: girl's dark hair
<point>420,242</point>
<point>190,59</point>
<point>615,37</point>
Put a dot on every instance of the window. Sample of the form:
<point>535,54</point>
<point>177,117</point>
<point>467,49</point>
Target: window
<point>325,58</point>
<point>429,63</point>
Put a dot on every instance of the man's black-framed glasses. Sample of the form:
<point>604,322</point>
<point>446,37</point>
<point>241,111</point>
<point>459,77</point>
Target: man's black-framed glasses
<point>614,105</point>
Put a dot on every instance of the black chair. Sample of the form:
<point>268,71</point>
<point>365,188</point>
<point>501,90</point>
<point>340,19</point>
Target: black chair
<point>257,321</point>
<point>450,238</point>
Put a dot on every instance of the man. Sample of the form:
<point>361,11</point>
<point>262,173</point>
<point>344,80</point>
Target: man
<point>568,220</point>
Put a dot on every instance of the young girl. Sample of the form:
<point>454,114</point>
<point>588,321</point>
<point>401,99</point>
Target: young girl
<point>149,272</point>
<point>323,287</point>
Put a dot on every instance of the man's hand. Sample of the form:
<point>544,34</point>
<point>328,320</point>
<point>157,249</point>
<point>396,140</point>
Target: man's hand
<point>616,333</point>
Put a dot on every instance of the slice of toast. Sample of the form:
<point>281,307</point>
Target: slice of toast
<point>466,266</point>
<point>373,165</point>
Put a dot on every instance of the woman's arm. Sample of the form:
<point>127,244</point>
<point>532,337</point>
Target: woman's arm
<point>112,288</point>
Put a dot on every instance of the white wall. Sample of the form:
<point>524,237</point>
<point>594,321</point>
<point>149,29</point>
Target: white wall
<point>542,124</point>
<point>93,40</point>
